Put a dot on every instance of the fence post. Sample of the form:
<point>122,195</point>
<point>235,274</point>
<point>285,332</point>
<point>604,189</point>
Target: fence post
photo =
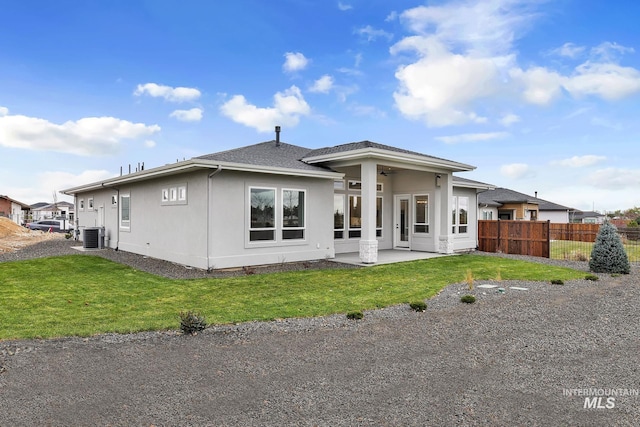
<point>499,246</point>
<point>548,238</point>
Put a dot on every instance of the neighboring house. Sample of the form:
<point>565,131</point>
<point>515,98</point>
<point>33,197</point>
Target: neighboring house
<point>61,210</point>
<point>13,209</point>
<point>587,217</point>
<point>502,203</point>
<point>274,202</point>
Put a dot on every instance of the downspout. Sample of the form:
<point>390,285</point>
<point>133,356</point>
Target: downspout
<point>210,176</point>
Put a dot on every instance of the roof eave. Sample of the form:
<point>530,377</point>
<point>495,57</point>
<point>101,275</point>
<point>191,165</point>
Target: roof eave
<point>371,152</point>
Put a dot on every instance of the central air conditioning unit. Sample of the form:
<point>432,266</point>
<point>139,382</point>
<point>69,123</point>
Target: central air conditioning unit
<point>93,238</point>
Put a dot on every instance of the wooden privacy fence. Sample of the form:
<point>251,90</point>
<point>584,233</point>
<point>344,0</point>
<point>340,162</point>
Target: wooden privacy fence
<point>574,232</point>
<point>515,237</point>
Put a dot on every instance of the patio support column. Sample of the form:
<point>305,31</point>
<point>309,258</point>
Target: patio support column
<point>368,241</point>
<point>444,196</point>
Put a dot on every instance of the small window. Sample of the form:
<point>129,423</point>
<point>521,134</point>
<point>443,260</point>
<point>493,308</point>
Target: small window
<point>81,204</point>
<point>379,187</point>
<point>421,222</point>
<point>173,194</point>
<point>90,203</point>
<point>165,194</point>
<point>114,200</point>
<point>125,211</point>
<point>182,193</point>
<point>338,184</point>
<point>487,215</point>
<point>355,185</point>
<point>355,216</point>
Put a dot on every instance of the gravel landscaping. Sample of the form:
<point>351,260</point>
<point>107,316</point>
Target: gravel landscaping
<point>511,358</point>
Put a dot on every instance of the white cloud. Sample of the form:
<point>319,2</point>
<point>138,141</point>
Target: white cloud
<point>367,111</point>
<point>541,86</point>
<point>509,119</point>
<point>172,94</point>
<point>371,34</point>
<point>606,123</point>
<point>294,61</point>
<point>440,87</point>
<point>323,85</point>
<point>85,137</point>
<point>609,52</point>
<point>391,16</point>
<point>55,180</point>
<point>289,105</point>
<point>569,50</point>
<point>192,115</point>
<point>580,161</point>
<point>344,6</point>
<point>517,171</point>
<point>3,111</point>
<point>472,137</point>
<point>607,80</point>
<point>149,143</point>
<point>615,178</point>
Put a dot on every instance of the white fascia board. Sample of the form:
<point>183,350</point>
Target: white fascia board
<point>192,165</point>
<point>479,185</point>
<point>378,153</point>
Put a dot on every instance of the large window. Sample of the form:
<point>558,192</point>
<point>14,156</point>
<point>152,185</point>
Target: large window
<point>263,222</point>
<point>125,211</point>
<point>421,222</point>
<point>487,215</point>
<point>293,212</point>
<point>338,216</point>
<point>460,212</point>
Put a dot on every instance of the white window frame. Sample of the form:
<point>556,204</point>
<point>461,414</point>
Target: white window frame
<point>173,194</point>
<point>275,215</point>
<point>164,198</point>
<point>457,227</point>
<point>81,203</point>
<point>417,224</point>
<point>487,215</point>
<point>182,193</point>
<point>125,224</point>
<point>304,215</point>
<point>90,203</point>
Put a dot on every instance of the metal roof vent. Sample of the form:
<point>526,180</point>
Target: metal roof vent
<point>277,136</point>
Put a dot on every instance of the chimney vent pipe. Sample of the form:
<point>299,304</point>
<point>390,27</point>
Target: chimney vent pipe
<point>277,136</point>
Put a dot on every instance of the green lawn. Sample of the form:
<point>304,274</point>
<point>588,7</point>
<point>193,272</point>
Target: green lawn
<point>86,295</point>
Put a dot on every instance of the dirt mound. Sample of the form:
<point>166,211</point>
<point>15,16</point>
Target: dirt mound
<point>14,236</point>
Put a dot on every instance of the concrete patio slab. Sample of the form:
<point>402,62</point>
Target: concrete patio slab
<point>386,256</point>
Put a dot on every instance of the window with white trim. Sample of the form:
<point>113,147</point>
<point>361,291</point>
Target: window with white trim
<point>293,214</point>
<point>81,202</point>
<point>165,195</point>
<point>355,216</point>
<point>487,215</point>
<point>262,226</point>
<point>421,217</point>
<point>173,194</point>
<point>90,203</point>
<point>460,214</point>
<point>338,216</point>
<point>114,200</point>
<point>182,193</point>
<point>125,211</point>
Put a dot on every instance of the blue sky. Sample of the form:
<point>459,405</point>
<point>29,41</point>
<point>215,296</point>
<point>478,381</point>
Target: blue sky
<point>539,95</point>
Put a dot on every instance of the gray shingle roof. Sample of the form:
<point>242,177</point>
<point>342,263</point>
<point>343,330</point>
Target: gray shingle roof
<point>352,146</point>
<point>500,196</point>
<point>267,154</point>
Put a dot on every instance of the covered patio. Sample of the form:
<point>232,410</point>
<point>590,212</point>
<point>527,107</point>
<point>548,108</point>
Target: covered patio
<point>386,256</point>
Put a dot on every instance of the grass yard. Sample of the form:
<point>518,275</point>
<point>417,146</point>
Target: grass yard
<point>79,295</point>
<point>581,251</point>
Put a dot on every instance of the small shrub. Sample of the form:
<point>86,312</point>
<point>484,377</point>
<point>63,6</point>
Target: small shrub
<point>608,254</point>
<point>468,299</point>
<point>192,322</point>
<point>68,236</point>
<point>418,306</point>
<point>355,315</point>
<point>591,277</point>
<point>557,282</point>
